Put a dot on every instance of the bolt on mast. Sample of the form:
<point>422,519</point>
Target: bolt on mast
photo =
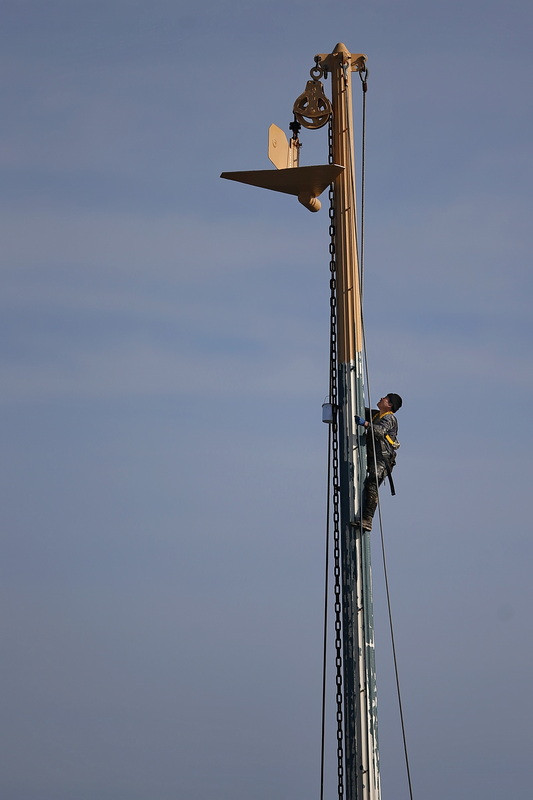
<point>313,110</point>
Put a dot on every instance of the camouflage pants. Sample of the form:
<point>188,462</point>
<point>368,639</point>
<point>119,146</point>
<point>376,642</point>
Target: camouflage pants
<point>370,489</point>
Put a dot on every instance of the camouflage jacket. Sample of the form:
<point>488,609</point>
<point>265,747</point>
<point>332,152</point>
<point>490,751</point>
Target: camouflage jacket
<point>383,431</point>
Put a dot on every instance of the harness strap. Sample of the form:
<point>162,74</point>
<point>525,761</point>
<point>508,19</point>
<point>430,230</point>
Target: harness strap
<point>393,442</point>
<point>389,476</point>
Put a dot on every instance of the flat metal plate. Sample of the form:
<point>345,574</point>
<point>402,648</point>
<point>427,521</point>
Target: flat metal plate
<point>312,180</point>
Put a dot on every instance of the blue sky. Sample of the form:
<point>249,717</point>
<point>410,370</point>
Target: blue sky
<point>163,362</point>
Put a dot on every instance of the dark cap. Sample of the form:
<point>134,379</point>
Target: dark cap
<point>395,400</point>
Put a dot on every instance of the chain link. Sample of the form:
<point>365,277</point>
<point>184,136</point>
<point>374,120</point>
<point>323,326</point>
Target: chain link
<point>333,390</point>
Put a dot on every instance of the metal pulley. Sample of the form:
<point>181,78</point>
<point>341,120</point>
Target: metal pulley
<point>312,109</point>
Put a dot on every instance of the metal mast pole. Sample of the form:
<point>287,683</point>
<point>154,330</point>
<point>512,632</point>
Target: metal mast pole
<point>360,699</point>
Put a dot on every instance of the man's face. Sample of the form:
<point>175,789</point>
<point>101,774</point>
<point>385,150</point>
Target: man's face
<point>385,405</point>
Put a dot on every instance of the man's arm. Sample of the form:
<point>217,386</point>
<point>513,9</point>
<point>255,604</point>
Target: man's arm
<point>380,427</point>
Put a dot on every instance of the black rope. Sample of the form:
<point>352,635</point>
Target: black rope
<point>326,614</point>
<point>395,660</point>
<point>363,74</point>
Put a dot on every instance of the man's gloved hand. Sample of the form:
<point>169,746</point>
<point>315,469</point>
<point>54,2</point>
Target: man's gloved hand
<point>360,420</point>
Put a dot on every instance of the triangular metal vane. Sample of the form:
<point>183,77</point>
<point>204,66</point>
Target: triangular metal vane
<point>307,183</point>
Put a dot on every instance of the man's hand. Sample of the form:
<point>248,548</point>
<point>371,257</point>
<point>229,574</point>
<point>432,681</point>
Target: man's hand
<point>360,421</point>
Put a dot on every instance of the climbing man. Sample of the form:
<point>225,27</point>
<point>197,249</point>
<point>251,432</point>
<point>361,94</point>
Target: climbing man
<point>381,445</point>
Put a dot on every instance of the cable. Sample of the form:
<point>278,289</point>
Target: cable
<point>363,74</point>
<point>395,660</point>
<point>325,634</point>
<point>365,358</point>
<point>333,488</point>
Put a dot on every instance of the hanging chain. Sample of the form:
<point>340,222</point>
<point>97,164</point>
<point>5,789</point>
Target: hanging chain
<point>336,485</point>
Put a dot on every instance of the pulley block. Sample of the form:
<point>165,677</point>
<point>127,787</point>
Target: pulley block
<point>312,109</point>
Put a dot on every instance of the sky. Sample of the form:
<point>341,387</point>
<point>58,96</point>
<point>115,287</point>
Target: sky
<point>163,362</point>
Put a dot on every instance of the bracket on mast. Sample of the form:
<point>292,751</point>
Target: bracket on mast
<point>327,61</point>
<point>284,154</point>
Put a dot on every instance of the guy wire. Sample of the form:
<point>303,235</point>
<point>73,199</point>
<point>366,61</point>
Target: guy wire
<point>365,359</point>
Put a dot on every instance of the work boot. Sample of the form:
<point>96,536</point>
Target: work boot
<point>366,524</point>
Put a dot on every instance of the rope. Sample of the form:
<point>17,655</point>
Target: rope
<point>384,559</point>
<point>333,488</point>
<point>326,614</point>
<point>363,74</point>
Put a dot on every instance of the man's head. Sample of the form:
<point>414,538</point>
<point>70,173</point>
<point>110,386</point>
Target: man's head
<point>395,401</point>
<point>391,402</point>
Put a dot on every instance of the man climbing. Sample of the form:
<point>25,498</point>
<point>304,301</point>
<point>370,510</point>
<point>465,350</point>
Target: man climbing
<point>381,445</point>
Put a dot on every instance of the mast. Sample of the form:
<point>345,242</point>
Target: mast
<point>360,697</point>
<point>361,779</point>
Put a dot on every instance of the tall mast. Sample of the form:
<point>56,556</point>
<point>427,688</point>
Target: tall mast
<point>361,757</point>
<point>360,697</point>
